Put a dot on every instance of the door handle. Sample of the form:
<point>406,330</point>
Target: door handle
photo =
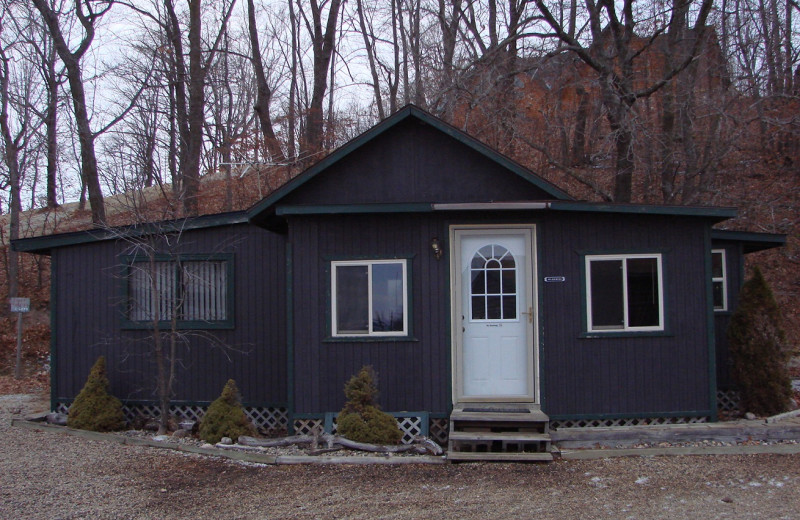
<point>530,314</point>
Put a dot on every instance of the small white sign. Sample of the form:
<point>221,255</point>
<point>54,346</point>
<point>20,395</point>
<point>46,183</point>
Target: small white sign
<point>20,304</point>
<point>551,279</point>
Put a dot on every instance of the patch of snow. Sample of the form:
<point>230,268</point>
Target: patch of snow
<point>642,480</point>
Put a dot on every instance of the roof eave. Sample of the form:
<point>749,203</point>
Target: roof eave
<point>45,243</point>
<point>751,241</point>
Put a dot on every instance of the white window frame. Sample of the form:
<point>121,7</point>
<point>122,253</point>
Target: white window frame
<point>624,258</point>
<point>368,263</point>
<point>722,279</point>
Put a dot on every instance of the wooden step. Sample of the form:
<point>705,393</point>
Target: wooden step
<point>499,436</point>
<point>535,416</point>
<point>500,457</point>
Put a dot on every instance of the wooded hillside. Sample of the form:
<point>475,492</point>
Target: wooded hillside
<point>153,110</point>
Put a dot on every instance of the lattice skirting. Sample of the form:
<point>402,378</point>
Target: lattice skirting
<point>728,400</point>
<point>412,424</point>
<point>559,424</point>
<point>269,418</point>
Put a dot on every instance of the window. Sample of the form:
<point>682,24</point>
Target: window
<point>493,289</point>
<point>369,298</point>
<point>194,291</point>
<point>719,283</point>
<point>624,293</point>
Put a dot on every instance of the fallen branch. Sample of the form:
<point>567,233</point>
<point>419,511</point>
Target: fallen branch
<point>421,445</point>
<point>245,440</point>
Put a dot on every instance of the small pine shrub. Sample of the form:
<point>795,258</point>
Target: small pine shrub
<point>759,358</point>
<point>94,408</point>
<point>361,419</point>
<point>225,417</point>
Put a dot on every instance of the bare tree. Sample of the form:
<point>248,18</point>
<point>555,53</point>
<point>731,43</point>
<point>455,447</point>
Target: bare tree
<point>88,13</point>
<point>190,85</point>
<point>612,54</point>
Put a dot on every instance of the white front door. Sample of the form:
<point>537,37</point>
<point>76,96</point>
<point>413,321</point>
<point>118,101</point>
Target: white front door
<point>494,314</point>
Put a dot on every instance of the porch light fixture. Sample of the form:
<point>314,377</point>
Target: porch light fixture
<point>437,248</point>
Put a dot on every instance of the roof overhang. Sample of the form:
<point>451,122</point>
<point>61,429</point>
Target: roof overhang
<point>43,244</point>
<point>713,213</point>
<point>751,242</point>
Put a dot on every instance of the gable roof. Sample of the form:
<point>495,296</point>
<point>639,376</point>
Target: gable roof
<point>259,211</point>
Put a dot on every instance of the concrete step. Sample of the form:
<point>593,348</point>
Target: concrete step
<point>499,457</point>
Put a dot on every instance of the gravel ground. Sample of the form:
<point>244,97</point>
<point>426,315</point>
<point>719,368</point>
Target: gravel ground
<point>43,475</point>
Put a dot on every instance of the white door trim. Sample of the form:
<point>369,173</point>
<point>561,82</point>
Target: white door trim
<point>457,232</point>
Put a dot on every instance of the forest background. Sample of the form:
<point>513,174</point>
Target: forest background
<point>123,111</point>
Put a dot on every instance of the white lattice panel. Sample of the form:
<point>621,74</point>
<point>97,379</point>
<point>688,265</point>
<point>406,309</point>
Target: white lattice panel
<point>625,421</point>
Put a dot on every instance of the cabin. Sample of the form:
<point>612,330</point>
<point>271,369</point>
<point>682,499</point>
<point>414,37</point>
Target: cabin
<point>492,305</point>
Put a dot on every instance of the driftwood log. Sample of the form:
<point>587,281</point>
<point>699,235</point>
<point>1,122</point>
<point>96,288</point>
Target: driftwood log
<point>420,446</point>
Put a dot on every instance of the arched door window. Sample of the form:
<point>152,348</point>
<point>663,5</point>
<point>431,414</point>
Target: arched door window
<point>493,288</point>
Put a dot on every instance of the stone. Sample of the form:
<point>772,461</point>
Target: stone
<point>161,438</point>
<point>226,441</point>
<point>750,416</point>
<point>180,434</point>
<point>187,425</point>
<point>56,418</point>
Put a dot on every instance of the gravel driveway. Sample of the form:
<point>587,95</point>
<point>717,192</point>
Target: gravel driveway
<point>43,475</point>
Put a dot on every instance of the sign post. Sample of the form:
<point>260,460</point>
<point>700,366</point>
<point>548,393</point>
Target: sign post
<point>19,305</point>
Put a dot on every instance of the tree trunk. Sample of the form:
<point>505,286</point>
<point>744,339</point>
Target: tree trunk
<point>263,93</point>
<point>323,45</point>
<point>51,128</point>
<point>11,156</point>
<point>190,170</point>
<point>71,60</point>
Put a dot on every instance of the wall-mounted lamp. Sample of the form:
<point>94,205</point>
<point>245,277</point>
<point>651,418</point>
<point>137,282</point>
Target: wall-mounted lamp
<point>437,248</point>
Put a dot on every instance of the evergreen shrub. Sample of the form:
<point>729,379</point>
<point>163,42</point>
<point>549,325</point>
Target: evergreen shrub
<point>757,349</point>
<point>225,417</point>
<point>94,408</point>
<point>361,419</point>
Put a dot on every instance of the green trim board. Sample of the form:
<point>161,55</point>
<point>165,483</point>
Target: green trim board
<point>610,416</point>
<point>715,213</point>
<point>255,213</point>
<point>53,334</point>
<point>290,335</point>
<point>710,326</point>
<point>127,262</point>
<point>43,244</point>
<point>185,402</point>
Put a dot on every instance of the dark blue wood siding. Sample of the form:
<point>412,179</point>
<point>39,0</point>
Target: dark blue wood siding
<point>734,258</point>
<point>88,310</point>
<point>415,374</point>
<point>636,375</point>
<point>414,163</point>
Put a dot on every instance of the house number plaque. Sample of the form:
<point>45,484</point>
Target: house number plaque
<point>551,279</point>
